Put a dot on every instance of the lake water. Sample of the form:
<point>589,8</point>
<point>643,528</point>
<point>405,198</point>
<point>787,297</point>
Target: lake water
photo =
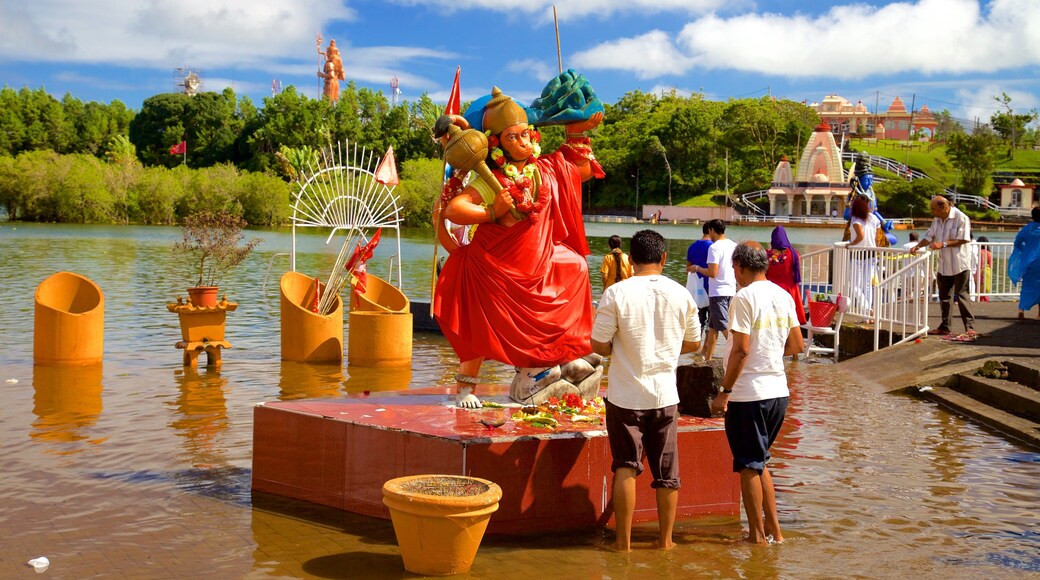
<point>141,469</point>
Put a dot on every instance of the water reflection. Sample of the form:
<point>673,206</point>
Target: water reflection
<point>67,403</point>
<point>365,380</point>
<point>298,380</point>
<point>868,485</point>
<point>201,415</point>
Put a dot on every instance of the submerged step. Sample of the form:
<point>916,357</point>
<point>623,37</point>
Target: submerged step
<point>1005,395</point>
<point>1023,374</point>
<point>1022,429</point>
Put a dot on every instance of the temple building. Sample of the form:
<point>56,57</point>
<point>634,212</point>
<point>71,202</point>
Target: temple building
<point>1017,195</point>
<point>895,122</point>
<point>819,187</point>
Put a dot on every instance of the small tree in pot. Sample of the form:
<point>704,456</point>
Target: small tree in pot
<point>212,239</point>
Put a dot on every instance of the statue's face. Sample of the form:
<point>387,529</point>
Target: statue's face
<point>516,142</point>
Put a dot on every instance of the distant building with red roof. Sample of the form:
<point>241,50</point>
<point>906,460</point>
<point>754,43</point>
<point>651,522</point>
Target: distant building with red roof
<point>896,122</point>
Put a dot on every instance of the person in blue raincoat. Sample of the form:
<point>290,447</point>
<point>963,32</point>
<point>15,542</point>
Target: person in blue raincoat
<point>1024,265</point>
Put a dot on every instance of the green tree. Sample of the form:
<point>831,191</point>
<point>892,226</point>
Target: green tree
<point>158,126</point>
<point>972,157</point>
<point>1009,126</point>
<point>946,125</point>
<point>12,125</point>
<point>420,186</point>
<point>899,198</point>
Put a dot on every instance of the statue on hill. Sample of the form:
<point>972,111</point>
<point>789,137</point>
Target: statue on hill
<point>333,71</point>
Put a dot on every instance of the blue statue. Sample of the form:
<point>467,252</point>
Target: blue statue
<point>862,182</point>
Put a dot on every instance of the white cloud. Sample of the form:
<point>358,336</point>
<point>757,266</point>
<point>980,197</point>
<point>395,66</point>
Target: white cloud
<point>566,10</point>
<point>538,69</point>
<point>979,102</point>
<point>647,56</point>
<point>163,34</point>
<point>847,42</point>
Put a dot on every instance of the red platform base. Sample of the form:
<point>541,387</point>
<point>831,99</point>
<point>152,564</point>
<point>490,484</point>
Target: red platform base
<point>340,452</point>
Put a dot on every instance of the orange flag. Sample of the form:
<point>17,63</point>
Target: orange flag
<point>455,98</point>
<point>386,173</point>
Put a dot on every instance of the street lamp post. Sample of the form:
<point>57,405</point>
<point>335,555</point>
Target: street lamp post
<point>637,191</point>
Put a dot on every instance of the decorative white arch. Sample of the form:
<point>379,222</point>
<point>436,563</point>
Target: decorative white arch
<point>341,192</point>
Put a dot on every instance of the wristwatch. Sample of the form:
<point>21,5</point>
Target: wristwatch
<point>944,244</point>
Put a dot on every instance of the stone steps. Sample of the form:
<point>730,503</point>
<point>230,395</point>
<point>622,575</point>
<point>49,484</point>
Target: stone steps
<point>1010,406</point>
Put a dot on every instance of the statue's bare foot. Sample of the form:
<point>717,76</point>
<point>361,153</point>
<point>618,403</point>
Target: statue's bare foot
<point>465,398</point>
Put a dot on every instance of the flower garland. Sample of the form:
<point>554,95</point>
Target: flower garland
<point>777,256</point>
<point>521,189</point>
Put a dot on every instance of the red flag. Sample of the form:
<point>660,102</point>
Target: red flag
<point>386,173</point>
<point>455,98</point>
<point>179,149</point>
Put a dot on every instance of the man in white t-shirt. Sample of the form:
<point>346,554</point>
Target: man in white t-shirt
<point>643,324</point>
<point>721,283</point>
<point>763,328</point>
<point>950,235</point>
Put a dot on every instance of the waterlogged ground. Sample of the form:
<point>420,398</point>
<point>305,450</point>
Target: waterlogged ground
<point>141,469</point>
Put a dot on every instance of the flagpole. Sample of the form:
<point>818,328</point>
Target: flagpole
<point>454,96</point>
<point>559,55</point>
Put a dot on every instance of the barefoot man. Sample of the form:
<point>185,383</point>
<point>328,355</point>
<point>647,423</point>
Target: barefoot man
<point>763,327</point>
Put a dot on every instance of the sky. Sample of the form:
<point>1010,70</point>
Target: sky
<point>954,55</point>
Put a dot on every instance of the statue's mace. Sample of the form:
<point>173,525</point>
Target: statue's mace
<point>466,150</point>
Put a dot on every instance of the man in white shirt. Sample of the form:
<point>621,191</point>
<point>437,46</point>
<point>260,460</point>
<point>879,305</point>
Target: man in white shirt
<point>763,328</point>
<point>644,323</point>
<point>721,283</point>
<point>950,235</point>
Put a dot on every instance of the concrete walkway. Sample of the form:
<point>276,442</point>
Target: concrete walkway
<point>1004,336</point>
<point>947,369</point>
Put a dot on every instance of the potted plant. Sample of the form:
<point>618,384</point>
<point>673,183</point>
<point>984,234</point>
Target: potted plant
<point>212,240</point>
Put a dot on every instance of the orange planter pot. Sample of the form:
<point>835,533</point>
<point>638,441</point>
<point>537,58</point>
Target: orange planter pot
<point>440,520</point>
<point>201,323</point>
<point>380,339</point>
<point>203,295</point>
<point>69,321</point>
<point>308,336</point>
<point>379,296</point>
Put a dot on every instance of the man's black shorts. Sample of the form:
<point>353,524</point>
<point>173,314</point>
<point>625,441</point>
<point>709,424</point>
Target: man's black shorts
<point>751,428</point>
<point>629,432</point>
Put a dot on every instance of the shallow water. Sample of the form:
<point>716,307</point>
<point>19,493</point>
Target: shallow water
<point>141,469</point>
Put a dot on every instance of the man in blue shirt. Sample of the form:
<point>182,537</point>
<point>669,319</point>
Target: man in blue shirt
<point>697,255</point>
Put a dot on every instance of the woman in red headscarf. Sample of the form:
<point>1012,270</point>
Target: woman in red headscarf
<point>785,269</point>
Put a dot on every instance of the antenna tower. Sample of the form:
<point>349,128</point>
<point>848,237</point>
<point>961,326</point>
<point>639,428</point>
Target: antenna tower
<point>394,90</point>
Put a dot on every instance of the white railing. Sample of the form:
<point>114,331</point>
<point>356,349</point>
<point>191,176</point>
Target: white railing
<point>901,296</point>
<point>810,219</point>
<point>992,286</point>
<point>886,286</point>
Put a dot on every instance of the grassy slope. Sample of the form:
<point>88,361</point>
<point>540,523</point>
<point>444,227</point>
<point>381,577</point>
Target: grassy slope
<point>934,163</point>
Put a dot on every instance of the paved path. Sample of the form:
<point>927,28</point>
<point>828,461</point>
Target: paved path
<point>1004,336</point>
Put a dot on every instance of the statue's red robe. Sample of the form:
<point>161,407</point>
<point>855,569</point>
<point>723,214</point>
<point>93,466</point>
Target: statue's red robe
<point>521,294</point>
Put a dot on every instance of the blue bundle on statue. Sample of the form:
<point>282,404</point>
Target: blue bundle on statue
<point>567,98</point>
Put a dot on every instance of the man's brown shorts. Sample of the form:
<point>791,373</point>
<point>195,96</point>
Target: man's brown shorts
<point>630,432</point>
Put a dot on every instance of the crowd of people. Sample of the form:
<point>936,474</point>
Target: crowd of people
<point>645,321</point>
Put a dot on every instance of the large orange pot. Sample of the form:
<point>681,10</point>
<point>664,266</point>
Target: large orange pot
<point>69,321</point>
<point>308,336</point>
<point>440,520</point>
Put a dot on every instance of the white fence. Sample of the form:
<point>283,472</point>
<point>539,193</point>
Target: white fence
<point>893,289</point>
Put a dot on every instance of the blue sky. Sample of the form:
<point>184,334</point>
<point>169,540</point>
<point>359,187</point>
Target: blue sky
<point>951,54</point>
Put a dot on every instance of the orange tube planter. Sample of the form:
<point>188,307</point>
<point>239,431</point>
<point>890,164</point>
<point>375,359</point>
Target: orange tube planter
<point>440,520</point>
<point>380,339</point>
<point>69,321</point>
<point>379,296</point>
<point>308,336</point>
<point>380,326</point>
